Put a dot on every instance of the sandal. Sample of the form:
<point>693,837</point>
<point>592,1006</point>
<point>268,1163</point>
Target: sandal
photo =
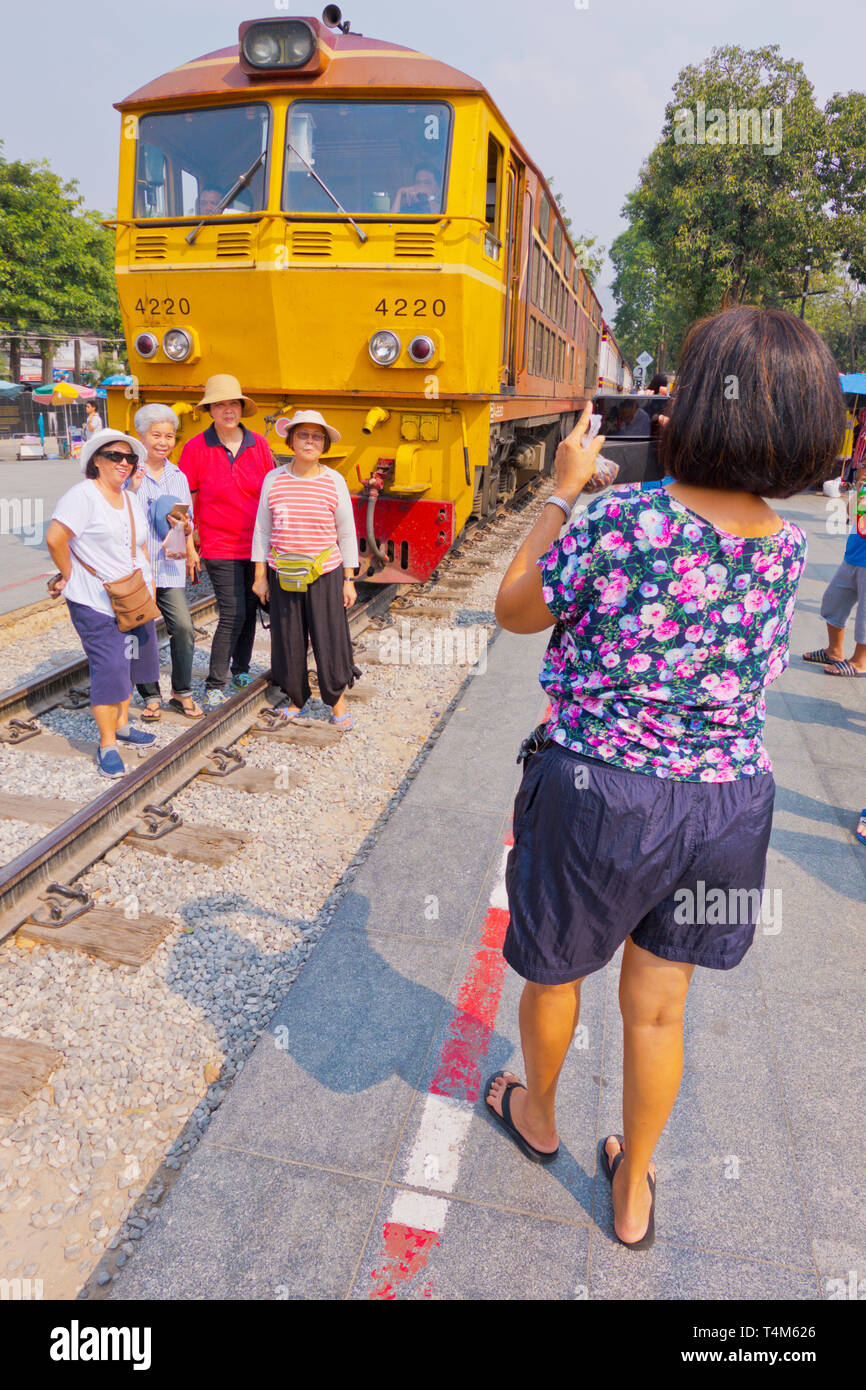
<point>286,712</point>
<point>609,1167</point>
<point>152,711</point>
<point>180,704</point>
<point>505,1122</point>
<point>345,721</point>
<point>844,668</point>
<point>821,658</point>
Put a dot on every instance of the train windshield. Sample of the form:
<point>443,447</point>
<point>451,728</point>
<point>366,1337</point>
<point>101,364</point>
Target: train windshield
<point>190,161</point>
<point>371,156</point>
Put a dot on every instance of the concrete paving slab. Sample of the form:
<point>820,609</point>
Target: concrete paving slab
<point>332,1080</point>
<point>670,1271</point>
<point>821,945</point>
<point>481,1253</point>
<point>406,889</point>
<point>239,1226</point>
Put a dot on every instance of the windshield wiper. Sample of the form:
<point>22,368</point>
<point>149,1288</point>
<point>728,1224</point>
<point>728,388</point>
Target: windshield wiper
<point>362,236</point>
<point>229,197</point>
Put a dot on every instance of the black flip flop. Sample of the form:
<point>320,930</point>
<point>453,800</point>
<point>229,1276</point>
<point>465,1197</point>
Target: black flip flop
<point>647,1240</point>
<point>175,704</point>
<point>819,658</point>
<point>505,1122</point>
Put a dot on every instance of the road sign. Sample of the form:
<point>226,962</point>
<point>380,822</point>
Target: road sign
<point>644,359</point>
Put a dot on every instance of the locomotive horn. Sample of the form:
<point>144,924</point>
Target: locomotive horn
<point>331,15</point>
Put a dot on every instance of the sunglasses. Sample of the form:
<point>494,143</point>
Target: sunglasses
<point>115,456</point>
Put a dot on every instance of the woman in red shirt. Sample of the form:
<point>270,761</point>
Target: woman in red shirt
<point>225,467</point>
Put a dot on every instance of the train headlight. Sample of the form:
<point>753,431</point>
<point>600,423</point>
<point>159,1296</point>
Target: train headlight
<point>146,344</point>
<point>421,349</point>
<point>287,43</point>
<point>384,347</point>
<point>177,345</point>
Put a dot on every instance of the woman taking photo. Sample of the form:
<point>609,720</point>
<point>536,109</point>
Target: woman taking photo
<point>305,512</point>
<point>90,540</point>
<point>651,786</point>
<point>158,484</point>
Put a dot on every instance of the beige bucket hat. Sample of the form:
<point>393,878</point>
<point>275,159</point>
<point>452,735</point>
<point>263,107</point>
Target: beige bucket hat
<point>223,387</point>
<point>306,417</point>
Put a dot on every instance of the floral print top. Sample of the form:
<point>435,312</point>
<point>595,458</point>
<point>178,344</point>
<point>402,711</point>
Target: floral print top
<point>668,631</point>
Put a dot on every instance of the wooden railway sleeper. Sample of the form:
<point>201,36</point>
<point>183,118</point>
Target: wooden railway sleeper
<point>225,761</point>
<point>19,730</point>
<point>158,821</point>
<point>60,897</point>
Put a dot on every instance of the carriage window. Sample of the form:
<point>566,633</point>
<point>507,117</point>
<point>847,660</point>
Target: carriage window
<point>557,241</point>
<point>372,156</point>
<point>188,161</point>
<point>544,217</point>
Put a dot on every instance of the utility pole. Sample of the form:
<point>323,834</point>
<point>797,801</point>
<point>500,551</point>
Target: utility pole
<point>805,294</point>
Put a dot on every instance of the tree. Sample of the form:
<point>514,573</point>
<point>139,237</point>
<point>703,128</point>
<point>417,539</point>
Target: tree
<point>842,168</point>
<point>839,315</point>
<point>650,314</point>
<point>56,261</point>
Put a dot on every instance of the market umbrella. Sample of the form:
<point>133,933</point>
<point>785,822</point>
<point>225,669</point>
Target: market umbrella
<point>854,384</point>
<point>63,393</point>
<point>119,379</point>
<point>9,391</point>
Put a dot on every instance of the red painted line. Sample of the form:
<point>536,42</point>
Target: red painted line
<point>404,1254</point>
<point>19,582</point>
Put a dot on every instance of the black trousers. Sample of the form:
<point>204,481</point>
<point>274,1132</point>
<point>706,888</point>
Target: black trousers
<point>232,582</point>
<point>317,616</point>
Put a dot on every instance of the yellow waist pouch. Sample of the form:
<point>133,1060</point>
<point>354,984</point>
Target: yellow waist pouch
<point>297,572</point>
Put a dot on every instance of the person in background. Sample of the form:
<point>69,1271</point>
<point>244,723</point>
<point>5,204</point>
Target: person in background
<point>671,613</point>
<point>422,195</point>
<point>660,384</point>
<point>90,541</point>
<point>209,201</point>
<point>305,510</point>
<point>225,467</point>
<point>632,421</point>
<point>846,591</point>
<point>93,421</point>
<point>159,484</point>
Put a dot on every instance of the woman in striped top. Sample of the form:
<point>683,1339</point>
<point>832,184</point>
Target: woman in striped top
<point>305,509</point>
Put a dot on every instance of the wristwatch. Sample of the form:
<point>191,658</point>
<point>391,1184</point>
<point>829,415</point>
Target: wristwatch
<point>560,502</point>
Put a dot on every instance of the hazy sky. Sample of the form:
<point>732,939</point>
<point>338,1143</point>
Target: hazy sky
<point>584,88</point>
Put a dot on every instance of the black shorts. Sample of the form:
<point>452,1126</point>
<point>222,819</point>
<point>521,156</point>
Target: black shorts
<point>601,853</point>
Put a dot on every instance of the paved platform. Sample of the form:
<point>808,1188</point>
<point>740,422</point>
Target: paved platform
<point>353,1157</point>
<point>29,492</point>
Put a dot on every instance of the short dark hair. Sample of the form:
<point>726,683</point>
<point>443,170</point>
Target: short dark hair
<point>758,406</point>
<point>90,469</point>
<point>660,379</point>
<point>291,434</point>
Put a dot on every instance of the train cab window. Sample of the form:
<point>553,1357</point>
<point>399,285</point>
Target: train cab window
<point>493,197</point>
<point>188,161</point>
<point>387,157</point>
<point>544,217</point>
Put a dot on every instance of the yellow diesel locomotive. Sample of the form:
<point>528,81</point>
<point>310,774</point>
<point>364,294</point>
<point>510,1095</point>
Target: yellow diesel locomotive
<point>352,227</point>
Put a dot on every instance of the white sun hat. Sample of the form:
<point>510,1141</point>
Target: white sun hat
<point>99,440</point>
<point>306,417</point>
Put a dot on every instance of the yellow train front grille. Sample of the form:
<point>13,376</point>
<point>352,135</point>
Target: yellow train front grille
<point>414,244</point>
<point>151,246</point>
<point>311,242</point>
<point>232,244</point>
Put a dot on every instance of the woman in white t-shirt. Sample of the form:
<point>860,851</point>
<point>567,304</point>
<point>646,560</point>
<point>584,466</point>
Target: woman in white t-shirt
<point>91,529</point>
<point>93,422</point>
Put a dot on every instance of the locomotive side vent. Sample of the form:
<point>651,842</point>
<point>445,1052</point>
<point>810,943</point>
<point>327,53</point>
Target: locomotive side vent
<point>309,241</point>
<point>414,244</point>
<point>150,246</point>
<point>232,244</point>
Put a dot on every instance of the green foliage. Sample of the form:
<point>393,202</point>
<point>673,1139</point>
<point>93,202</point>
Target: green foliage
<point>56,261</point>
<point>839,315</point>
<point>736,216</point>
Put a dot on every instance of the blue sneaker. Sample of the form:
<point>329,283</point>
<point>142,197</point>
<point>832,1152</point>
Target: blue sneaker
<point>133,735</point>
<point>214,698</point>
<point>241,680</point>
<point>110,763</point>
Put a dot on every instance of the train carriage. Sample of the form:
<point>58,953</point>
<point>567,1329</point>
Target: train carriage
<point>350,226</point>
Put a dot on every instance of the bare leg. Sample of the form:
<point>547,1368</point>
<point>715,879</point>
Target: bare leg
<point>108,722</point>
<point>340,708</point>
<point>652,996</point>
<point>548,1018</point>
<point>835,647</point>
<point>858,660</point>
